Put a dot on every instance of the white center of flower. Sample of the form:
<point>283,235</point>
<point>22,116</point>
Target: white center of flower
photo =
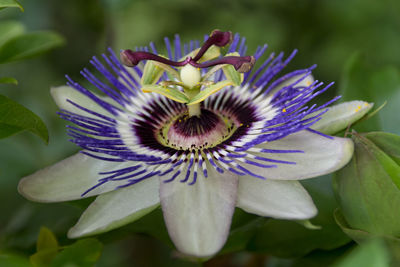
<point>190,76</point>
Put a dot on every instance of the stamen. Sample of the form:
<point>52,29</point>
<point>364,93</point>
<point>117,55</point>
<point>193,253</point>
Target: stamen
<point>241,64</point>
<point>131,59</point>
<point>217,38</point>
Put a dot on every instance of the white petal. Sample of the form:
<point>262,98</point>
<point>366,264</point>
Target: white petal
<point>61,94</point>
<point>198,217</point>
<point>339,116</point>
<point>117,208</point>
<point>277,199</point>
<point>321,156</point>
<point>68,179</point>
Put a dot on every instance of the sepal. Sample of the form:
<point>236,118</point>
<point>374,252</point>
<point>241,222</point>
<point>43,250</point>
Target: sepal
<point>368,188</point>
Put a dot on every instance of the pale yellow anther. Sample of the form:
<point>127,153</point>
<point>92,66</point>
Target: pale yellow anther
<point>284,110</point>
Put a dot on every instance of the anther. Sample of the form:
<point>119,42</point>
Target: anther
<point>131,59</point>
<point>218,38</point>
<point>246,66</point>
<point>241,64</point>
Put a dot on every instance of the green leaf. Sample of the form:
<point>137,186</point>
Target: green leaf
<point>83,253</point>
<point>370,254</point>
<point>9,80</point>
<point>9,30</point>
<point>320,258</point>
<point>43,257</point>
<point>10,260</point>
<point>15,118</point>
<point>387,142</point>
<point>169,92</point>
<point>46,240</point>
<point>390,166</point>
<point>358,235</point>
<point>368,190</point>
<point>362,236</point>
<point>284,238</point>
<point>209,91</point>
<point>10,3</point>
<point>29,45</point>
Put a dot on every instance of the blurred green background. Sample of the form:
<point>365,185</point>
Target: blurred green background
<point>354,42</point>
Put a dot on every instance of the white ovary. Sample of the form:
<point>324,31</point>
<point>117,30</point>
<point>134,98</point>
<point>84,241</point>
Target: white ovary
<point>190,76</point>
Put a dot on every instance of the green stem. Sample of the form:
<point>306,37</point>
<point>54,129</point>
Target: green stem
<point>194,110</point>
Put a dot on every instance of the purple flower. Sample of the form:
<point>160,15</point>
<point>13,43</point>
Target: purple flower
<point>197,132</point>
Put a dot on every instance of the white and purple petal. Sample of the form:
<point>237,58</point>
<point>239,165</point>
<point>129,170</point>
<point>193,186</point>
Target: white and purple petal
<point>307,154</point>
<point>67,98</point>
<point>117,208</point>
<point>340,116</point>
<point>276,199</point>
<point>69,179</point>
<point>198,217</point>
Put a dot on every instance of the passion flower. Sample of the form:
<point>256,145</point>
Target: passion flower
<point>195,131</point>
